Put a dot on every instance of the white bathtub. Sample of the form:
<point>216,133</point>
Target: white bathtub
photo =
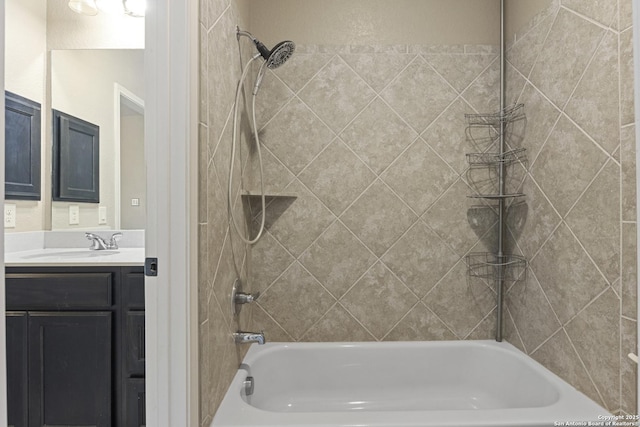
<point>461,383</point>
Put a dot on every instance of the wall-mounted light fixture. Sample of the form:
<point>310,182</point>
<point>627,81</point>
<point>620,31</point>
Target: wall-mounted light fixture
<point>92,7</point>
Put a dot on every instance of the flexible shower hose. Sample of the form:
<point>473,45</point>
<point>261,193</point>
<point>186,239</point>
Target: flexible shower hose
<point>232,159</point>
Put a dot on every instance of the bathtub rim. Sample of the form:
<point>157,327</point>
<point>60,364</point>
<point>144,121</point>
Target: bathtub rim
<point>570,398</point>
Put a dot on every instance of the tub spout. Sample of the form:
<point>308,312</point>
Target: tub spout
<point>249,337</point>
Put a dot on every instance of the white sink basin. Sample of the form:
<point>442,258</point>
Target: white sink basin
<point>70,254</point>
<point>75,256</point>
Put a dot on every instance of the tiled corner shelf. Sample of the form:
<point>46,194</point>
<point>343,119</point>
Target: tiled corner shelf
<point>249,195</point>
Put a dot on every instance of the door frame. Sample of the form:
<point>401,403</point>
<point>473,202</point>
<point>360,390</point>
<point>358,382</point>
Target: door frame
<point>120,94</point>
<point>171,150</point>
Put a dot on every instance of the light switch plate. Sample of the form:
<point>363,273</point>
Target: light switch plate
<point>102,215</point>
<point>74,215</point>
<point>9,216</point>
<point>135,202</point>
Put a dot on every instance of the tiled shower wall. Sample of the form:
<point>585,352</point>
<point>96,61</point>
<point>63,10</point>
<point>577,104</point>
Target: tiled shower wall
<point>222,257</point>
<point>572,67</point>
<point>364,151</point>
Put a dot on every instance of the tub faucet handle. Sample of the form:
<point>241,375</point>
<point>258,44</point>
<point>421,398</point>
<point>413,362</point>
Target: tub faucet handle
<point>245,298</point>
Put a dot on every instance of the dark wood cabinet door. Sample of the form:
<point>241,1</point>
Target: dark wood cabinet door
<point>135,343</point>
<point>17,392</point>
<point>70,369</point>
<point>135,406</point>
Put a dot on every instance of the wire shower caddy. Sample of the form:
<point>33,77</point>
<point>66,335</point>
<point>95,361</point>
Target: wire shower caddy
<point>496,172</point>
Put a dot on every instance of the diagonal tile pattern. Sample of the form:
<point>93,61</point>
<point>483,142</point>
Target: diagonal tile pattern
<point>572,312</point>
<point>375,137</point>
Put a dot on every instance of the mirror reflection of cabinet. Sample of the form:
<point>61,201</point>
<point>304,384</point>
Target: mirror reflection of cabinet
<point>76,159</point>
<point>22,148</point>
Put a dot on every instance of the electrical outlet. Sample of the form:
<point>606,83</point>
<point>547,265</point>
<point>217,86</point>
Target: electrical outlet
<point>102,215</point>
<point>74,215</point>
<point>9,216</point>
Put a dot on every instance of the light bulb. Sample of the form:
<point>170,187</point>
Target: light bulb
<point>84,7</point>
<point>110,6</point>
<point>134,7</point>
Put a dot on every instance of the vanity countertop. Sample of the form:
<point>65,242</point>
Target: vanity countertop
<point>67,257</point>
<point>71,248</point>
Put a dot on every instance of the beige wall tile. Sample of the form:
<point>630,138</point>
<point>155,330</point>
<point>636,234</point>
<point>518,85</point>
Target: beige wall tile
<point>337,259</point>
<point>419,82</point>
<point>603,11</point>
<point>447,135</point>
<point>595,220</point>
<point>336,94</point>
<point>626,14</point>
<point>419,176</point>
<point>337,326</point>
<point>629,370</point>
<point>594,105</point>
<point>532,314</point>
<point>378,135</point>
<point>629,285</point>
<point>378,69</point>
<point>450,221</point>
<point>565,55</point>
<point>595,333</point>
<point>297,223</point>
<point>378,300</point>
<point>566,274</point>
<point>420,259</point>
<point>460,70</point>
<point>628,165</point>
<point>626,77</point>
<point>461,304</point>
<point>295,135</point>
<point>558,355</point>
<point>296,301</point>
<point>326,177</point>
<point>378,217</point>
<point>420,324</point>
<point>561,180</point>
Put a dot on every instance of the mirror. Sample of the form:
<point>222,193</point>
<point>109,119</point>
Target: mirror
<point>105,87</point>
<point>90,67</point>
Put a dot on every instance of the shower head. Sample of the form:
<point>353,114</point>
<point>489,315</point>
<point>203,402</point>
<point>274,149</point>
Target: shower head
<point>278,55</point>
<point>275,57</point>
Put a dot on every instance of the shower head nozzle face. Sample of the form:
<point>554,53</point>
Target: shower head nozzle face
<point>280,54</point>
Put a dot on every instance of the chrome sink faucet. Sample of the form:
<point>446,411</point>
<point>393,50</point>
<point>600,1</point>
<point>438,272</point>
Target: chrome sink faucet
<point>249,337</point>
<point>99,244</point>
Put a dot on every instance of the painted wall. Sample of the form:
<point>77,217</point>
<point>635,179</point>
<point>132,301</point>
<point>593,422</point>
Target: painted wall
<point>222,257</point>
<point>377,22</point>
<point>82,84</point>
<point>132,172</point>
<point>25,74</point>
<point>572,67</point>
<point>69,30</point>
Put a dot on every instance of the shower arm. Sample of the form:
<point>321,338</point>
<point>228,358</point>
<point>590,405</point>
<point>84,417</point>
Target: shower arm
<point>247,34</point>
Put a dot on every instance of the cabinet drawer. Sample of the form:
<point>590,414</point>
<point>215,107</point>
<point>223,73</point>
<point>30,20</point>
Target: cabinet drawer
<point>133,289</point>
<point>57,291</point>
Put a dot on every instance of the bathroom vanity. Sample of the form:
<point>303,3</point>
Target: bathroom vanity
<point>75,339</point>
